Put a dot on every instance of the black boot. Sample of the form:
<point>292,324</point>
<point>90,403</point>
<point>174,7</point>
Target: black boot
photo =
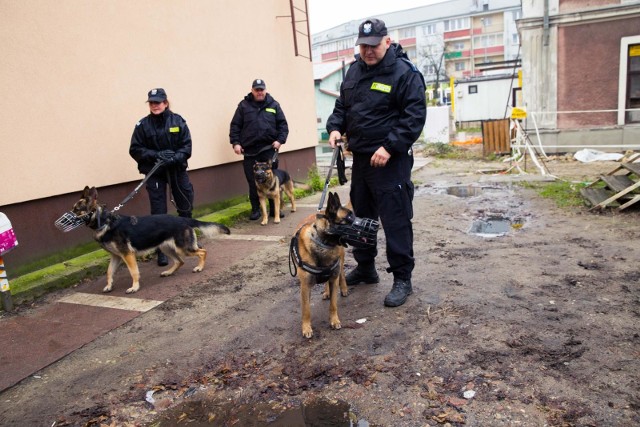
<point>362,274</point>
<point>255,214</point>
<point>399,292</point>
<point>162,258</point>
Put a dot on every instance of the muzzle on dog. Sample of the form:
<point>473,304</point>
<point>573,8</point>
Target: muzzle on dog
<point>70,221</point>
<point>359,232</point>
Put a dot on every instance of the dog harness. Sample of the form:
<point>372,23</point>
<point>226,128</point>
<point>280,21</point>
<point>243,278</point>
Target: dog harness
<point>321,274</point>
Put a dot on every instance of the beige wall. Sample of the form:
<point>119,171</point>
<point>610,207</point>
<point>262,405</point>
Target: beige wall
<point>75,74</point>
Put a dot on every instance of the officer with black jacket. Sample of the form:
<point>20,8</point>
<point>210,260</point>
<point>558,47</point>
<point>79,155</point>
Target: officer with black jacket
<point>164,135</point>
<point>382,109</point>
<point>258,129</point>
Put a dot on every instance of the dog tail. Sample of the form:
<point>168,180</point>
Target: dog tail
<point>210,229</point>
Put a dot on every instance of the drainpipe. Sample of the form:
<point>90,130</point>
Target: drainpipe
<point>545,24</point>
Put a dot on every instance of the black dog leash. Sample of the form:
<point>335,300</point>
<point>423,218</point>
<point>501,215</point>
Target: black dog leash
<point>337,151</point>
<point>135,190</point>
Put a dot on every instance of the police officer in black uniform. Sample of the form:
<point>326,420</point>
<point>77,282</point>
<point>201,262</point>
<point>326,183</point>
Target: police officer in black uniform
<point>382,109</point>
<point>257,131</point>
<point>164,135</point>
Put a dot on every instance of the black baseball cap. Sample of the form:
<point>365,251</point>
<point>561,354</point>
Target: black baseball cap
<point>157,95</point>
<point>371,32</point>
<point>258,84</point>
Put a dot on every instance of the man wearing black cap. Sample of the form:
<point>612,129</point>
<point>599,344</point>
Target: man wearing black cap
<point>164,135</point>
<point>382,110</point>
<point>257,131</point>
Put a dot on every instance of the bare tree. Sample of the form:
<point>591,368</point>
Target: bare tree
<point>432,60</point>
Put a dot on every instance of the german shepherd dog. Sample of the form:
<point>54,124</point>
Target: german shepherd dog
<point>124,237</point>
<point>270,184</point>
<point>318,253</point>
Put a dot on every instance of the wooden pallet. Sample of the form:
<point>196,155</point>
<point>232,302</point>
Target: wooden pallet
<point>621,187</point>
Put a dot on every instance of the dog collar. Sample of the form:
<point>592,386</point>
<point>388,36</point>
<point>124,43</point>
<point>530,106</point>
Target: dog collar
<point>321,274</point>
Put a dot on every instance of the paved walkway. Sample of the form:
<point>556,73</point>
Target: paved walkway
<point>34,338</point>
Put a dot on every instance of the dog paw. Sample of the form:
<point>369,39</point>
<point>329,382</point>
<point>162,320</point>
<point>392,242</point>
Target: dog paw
<point>344,293</point>
<point>107,288</point>
<point>325,295</point>
<point>263,223</point>
<point>307,332</point>
<point>166,273</point>
<point>336,324</point>
<point>132,290</point>
<point>197,269</point>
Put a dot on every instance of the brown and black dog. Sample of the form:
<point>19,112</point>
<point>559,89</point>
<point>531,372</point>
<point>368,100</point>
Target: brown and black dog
<point>124,237</point>
<point>270,184</point>
<point>318,256</point>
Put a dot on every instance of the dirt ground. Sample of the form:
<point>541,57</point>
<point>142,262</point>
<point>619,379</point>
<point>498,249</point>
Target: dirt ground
<point>537,327</point>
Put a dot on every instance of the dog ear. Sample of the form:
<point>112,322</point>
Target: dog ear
<point>333,204</point>
<point>92,194</point>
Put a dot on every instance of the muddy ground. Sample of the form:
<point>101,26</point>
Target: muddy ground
<point>538,327</point>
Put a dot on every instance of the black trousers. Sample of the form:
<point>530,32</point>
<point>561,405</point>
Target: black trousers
<point>386,193</point>
<point>247,164</point>
<point>181,190</point>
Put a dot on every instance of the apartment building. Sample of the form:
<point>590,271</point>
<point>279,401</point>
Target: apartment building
<point>453,39</point>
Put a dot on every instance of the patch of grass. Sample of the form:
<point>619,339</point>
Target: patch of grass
<point>447,151</point>
<point>316,182</point>
<point>563,193</point>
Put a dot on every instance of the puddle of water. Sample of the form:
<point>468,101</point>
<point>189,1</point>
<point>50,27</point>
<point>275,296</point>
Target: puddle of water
<point>464,191</point>
<point>494,226</point>
<point>320,413</point>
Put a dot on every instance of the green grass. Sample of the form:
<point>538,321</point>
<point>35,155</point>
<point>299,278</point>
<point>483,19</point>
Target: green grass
<point>447,151</point>
<point>565,194</point>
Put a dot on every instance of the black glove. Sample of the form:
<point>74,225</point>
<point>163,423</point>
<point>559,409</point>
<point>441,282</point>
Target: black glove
<point>166,156</point>
<point>179,158</point>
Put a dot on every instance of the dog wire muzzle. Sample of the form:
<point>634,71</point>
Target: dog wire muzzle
<point>321,274</point>
<point>360,233</point>
<point>70,221</point>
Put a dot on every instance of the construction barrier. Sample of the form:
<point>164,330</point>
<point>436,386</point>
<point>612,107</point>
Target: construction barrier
<point>495,136</point>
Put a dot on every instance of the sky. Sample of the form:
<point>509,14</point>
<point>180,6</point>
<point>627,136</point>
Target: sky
<point>325,14</point>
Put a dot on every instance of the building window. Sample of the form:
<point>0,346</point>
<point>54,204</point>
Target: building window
<point>460,66</point>
<point>516,14</point>
<point>456,24</point>
<point>633,84</point>
<point>407,33</point>
<point>487,40</point>
<point>473,89</point>
<point>515,39</point>
<point>427,30</point>
<point>486,21</point>
<point>411,53</point>
<point>629,81</point>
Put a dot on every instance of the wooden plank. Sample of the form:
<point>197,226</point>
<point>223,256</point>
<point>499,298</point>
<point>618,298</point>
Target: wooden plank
<point>617,196</point>
<point>617,182</point>
<point>596,196</point>
<point>629,203</point>
<point>633,167</point>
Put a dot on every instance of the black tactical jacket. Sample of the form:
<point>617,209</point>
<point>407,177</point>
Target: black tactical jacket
<point>256,125</point>
<point>154,133</point>
<point>383,105</point>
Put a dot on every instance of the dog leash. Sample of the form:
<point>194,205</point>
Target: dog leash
<point>135,190</point>
<point>337,151</point>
